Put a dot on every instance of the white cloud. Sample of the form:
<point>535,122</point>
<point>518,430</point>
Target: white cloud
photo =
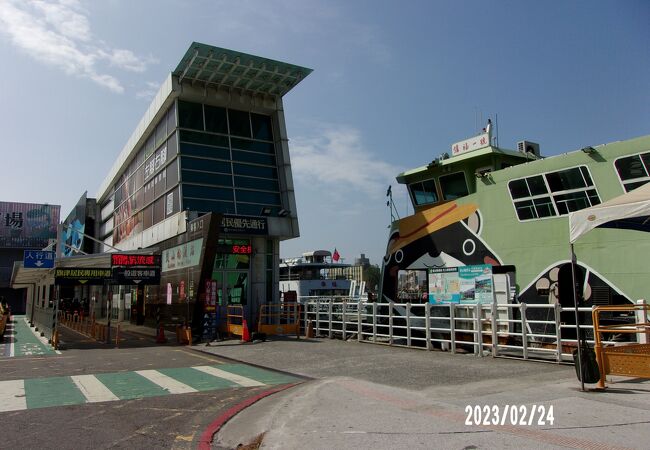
<point>57,33</point>
<point>149,91</point>
<point>337,159</point>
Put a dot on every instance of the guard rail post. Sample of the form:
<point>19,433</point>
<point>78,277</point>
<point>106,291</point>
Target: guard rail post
<point>374,322</point>
<point>452,327</point>
<point>359,327</point>
<point>427,325</point>
<point>408,324</point>
<point>558,331</point>
<point>524,330</point>
<point>343,319</point>
<point>330,318</point>
<point>478,309</point>
<point>495,332</point>
<point>390,323</point>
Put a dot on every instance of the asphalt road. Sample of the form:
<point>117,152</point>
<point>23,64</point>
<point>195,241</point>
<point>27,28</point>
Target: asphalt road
<point>128,410</point>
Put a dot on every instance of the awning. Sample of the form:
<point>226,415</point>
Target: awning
<point>630,211</point>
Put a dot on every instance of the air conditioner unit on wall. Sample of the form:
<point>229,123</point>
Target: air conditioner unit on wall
<point>528,147</point>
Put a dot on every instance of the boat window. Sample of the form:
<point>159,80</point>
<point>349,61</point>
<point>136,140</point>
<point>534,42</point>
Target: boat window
<point>423,192</point>
<point>453,186</point>
<point>553,194</point>
<point>633,171</point>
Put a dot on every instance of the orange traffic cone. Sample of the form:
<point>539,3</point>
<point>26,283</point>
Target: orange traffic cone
<point>245,334</point>
<point>160,338</point>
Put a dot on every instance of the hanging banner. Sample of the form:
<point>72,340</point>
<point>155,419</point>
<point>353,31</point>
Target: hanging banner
<point>465,284</point>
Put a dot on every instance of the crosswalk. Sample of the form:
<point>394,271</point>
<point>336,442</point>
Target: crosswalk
<point>32,393</point>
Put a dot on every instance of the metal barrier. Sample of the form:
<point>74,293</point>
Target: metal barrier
<point>626,359</point>
<point>518,330</point>
<point>235,320</point>
<point>279,318</point>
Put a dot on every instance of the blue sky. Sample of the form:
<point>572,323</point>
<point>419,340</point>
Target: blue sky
<point>394,85</point>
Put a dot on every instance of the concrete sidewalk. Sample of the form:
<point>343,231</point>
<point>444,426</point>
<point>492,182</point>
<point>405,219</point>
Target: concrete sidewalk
<point>372,396</point>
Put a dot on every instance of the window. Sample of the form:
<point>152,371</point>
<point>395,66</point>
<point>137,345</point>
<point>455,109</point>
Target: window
<point>261,127</point>
<point>215,119</point>
<point>453,186</point>
<point>240,124</point>
<point>193,176</point>
<point>190,115</point>
<point>423,192</point>
<point>190,190</point>
<point>210,165</point>
<point>633,171</point>
<point>553,194</point>
<point>204,151</point>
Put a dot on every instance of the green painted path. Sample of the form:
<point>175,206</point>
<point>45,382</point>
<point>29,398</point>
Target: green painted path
<point>17,395</point>
<point>20,340</point>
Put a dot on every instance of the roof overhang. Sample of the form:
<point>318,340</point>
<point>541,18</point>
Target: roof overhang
<point>219,67</point>
<point>21,277</point>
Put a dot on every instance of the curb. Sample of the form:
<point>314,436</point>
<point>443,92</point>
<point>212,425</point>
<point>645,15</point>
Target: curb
<point>207,436</point>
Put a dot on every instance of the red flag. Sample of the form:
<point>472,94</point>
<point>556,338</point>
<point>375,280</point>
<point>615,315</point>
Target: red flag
<point>336,255</point>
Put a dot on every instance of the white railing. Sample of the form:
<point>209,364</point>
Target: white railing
<point>527,331</point>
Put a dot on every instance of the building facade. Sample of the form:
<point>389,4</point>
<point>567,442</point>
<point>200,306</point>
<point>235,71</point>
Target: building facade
<point>205,180</point>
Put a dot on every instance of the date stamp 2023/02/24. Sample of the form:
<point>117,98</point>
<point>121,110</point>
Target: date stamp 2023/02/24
<point>511,415</point>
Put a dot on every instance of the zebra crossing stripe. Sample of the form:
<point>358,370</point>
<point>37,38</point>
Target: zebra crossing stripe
<point>239,379</point>
<point>12,395</point>
<point>93,389</point>
<point>166,382</point>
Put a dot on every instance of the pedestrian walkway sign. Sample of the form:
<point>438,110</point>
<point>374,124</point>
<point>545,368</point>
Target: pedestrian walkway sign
<point>38,259</point>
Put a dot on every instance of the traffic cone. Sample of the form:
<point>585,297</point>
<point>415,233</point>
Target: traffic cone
<point>245,334</point>
<point>160,338</point>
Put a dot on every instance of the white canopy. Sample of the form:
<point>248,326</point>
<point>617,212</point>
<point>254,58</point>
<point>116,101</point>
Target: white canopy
<point>629,211</point>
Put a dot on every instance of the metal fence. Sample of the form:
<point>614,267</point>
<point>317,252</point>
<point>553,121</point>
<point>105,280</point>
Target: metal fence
<point>528,331</point>
<point>42,319</point>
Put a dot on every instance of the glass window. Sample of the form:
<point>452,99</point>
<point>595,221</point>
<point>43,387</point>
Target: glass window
<point>255,171</point>
<point>256,183</point>
<point>159,210</point>
<point>240,124</point>
<point>204,151</point>
<point>534,202</point>
<point>194,204</point>
<point>519,188</point>
<point>216,120</point>
<point>453,186</point>
<point>229,261</point>
<point>172,173</point>
<point>253,146</point>
<point>139,199</point>
<point>424,192</point>
<point>149,146</point>
<point>203,138</point>
<point>251,157</point>
<point>161,132</point>
<point>190,115</point>
<point>207,192</point>
<point>261,127</point>
<point>565,180</point>
<point>208,165</point>
<point>172,146</point>
<point>147,217</point>
<point>148,193</point>
<point>634,171</point>
<point>254,209</point>
<point>258,197</point>
<point>192,176</point>
<point>160,184</point>
<point>171,118</point>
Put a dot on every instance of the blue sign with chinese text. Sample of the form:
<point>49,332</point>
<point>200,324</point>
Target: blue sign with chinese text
<point>38,259</point>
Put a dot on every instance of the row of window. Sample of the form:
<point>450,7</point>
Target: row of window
<point>452,186</point>
<point>197,116</point>
<point>550,194</point>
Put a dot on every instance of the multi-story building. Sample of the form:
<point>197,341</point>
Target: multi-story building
<point>205,182</point>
